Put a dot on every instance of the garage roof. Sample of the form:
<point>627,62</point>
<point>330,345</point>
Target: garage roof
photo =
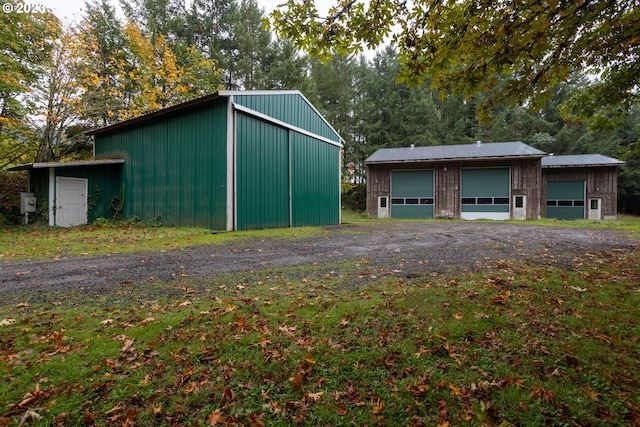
<point>578,160</point>
<point>475,151</point>
<point>84,163</point>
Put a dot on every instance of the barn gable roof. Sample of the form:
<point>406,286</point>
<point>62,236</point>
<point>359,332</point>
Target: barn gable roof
<point>282,106</point>
<point>477,151</point>
<point>579,160</point>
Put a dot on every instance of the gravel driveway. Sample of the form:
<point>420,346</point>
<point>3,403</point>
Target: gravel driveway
<point>402,247</point>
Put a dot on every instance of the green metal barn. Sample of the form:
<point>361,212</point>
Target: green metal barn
<point>233,160</point>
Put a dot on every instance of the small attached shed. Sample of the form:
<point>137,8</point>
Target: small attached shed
<point>580,186</point>
<point>470,181</point>
<point>233,160</point>
<point>72,193</point>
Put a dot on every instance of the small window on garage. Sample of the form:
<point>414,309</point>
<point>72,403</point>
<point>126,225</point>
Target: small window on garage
<point>519,201</point>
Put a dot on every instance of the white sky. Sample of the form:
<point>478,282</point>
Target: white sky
<point>69,10</point>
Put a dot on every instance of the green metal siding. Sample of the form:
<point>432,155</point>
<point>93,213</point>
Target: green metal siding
<point>103,182</point>
<point>315,181</point>
<point>565,199</point>
<point>412,194</point>
<point>262,175</point>
<point>481,184</point>
<point>175,169</point>
<point>39,186</point>
<point>288,108</point>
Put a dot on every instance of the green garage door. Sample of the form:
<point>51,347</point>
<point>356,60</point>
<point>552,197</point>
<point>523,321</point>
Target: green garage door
<point>485,193</point>
<point>412,194</point>
<point>565,199</point>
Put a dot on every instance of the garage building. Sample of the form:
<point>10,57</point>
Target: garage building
<point>580,186</point>
<point>233,160</point>
<point>506,180</point>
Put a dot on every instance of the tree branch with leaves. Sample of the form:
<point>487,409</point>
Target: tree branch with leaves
<point>514,52</point>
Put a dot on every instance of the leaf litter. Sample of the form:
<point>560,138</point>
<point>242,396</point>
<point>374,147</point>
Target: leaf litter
<point>515,344</point>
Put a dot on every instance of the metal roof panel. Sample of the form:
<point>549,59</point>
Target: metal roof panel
<point>579,160</point>
<point>455,152</point>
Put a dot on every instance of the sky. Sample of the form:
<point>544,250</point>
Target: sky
<point>66,10</point>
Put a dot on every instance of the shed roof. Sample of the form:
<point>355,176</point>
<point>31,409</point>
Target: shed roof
<point>84,163</point>
<point>579,160</point>
<point>475,151</point>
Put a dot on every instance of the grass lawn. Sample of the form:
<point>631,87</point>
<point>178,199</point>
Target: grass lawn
<point>512,346</point>
<point>40,242</point>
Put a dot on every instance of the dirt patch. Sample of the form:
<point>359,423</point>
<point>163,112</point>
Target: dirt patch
<point>409,249</point>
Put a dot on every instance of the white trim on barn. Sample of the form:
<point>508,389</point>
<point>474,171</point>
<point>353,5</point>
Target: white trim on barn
<point>52,196</point>
<point>280,123</point>
<point>231,161</point>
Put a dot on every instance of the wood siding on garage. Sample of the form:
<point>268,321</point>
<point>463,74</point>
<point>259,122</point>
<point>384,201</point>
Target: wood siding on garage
<point>600,182</point>
<point>526,180</point>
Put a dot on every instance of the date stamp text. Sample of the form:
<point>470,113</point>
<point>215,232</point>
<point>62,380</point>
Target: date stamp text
<point>22,8</point>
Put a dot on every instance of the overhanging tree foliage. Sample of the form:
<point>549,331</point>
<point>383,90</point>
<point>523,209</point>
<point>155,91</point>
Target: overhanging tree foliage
<point>25,45</point>
<point>513,51</point>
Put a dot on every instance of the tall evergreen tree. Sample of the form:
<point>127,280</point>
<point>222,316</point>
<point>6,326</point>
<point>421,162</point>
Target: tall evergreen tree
<point>252,47</point>
<point>158,17</point>
<point>210,28</point>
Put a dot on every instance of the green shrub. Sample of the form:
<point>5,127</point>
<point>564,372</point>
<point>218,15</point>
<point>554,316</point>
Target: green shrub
<point>354,197</point>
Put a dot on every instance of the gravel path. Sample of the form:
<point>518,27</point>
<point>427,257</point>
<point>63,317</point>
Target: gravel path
<point>408,248</point>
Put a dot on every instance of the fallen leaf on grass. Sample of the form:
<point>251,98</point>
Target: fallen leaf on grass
<point>378,406</point>
<point>342,411</point>
<point>591,393</point>
<point>227,395</point>
<point>314,397</point>
<point>30,415</point>
<point>215,418</point>
<point>7,322</point>
<point>114,410</point>
<point>296,381</point>
<point>287,330</point>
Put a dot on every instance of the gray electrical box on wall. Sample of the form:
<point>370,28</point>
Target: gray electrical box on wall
<point>27,203</point>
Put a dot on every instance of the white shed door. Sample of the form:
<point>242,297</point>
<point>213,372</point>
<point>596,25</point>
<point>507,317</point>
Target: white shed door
<point>71,201</point>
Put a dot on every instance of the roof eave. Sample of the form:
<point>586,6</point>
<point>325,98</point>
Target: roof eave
<point>158,113</point>
<point>456,159</point>
<point>595,165</point>
<point>81,163</point>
